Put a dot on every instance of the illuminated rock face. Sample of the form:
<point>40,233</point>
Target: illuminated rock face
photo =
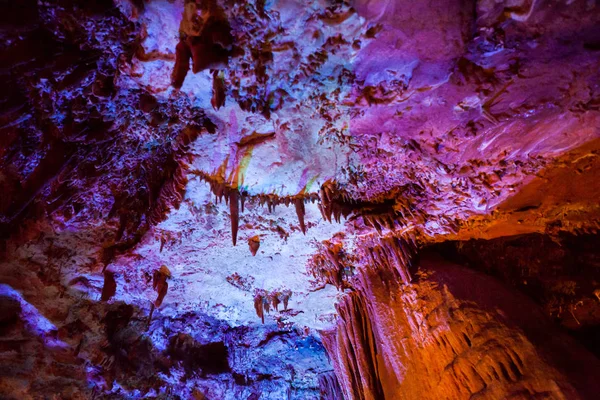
<point>476,337</point>
<point>276,199</point>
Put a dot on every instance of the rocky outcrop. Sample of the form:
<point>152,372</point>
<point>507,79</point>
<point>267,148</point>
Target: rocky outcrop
<point>110,348</point>
<point>558,272</point>
<point>451,333</point>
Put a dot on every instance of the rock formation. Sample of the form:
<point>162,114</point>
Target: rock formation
<point>417,183</point>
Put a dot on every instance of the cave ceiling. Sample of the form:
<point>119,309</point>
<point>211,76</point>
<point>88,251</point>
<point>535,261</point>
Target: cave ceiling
<point>249,146</point>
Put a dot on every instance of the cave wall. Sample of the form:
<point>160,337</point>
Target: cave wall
<point>558,272</point>
<point>329,124</point>
<point>100,350</point>
<point>451,332</point>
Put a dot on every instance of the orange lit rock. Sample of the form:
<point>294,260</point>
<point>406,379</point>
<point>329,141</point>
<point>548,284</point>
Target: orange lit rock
<point>391,130</point>
<point>160,284</point>
<point>254,244</point>
<point>476,337</point>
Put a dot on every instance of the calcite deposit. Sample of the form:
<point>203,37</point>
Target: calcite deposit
<point>285,199</point>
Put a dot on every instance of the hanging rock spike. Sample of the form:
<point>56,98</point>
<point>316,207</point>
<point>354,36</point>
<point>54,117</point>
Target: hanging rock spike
<point>234,208</point>
<point>300,211</point>
<point>218,97</point>
<point>286,295</point>
<point>254,244</point>
<point>160,284</point>
<point>258,304</point>
<point>110,286</point>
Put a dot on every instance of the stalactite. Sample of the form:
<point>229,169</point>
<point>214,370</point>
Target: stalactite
<point>218,96</point>
<point>182,64</point>
<point>243,196</point>
<point>110,286</point>
<point>266,301</point>
<point>300,211</point>
<point>259,296</point>
<point>160,284</point>
<point>274,300</point>
<point>254,244</point>
<point>234,205</point>
<point>286,295</point>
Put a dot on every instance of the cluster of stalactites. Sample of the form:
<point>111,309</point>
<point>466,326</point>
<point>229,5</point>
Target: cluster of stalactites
<point>390,212</point>
<point>390,216</point>
<point>264,301</point>
<point>204,38</point>
<point>353,349</point>
<point>333,202</point>
<point>237,198</point>
<point>391,253</point>
<point>332,265</point>
<point>353,346</point>
<point>172,191</point>
<point>389,220</point>
<point>171,194</point>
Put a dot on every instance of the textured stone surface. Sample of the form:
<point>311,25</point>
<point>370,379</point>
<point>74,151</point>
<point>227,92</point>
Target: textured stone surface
<point>476,337</point>
<point>285,161</point>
